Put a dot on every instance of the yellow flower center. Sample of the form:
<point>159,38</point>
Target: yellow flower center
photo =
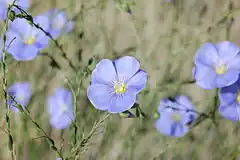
<point>120,88</point>
<point>238,97</point>
<point>176,117</point>
<point>29,40</point>
<point>221,69</point>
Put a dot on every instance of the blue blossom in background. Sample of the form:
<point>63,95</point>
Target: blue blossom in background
<point>58,22</point>
<point>230,101</point>
<point>24,40</point>
<point>24,4</point>
<point>115,84</point>
<point>60,108</point>
<point>21,92</point>
<point>217,66</point>
<point>175,115</point>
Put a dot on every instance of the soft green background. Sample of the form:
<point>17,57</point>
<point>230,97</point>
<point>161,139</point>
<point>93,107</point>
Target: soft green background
<point>164,38</point>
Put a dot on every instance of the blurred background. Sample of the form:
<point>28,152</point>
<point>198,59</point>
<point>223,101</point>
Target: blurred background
<point>164,37</point>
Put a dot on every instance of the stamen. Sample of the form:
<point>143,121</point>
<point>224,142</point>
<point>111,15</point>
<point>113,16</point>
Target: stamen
<point>120,87</point>
<point>29,40</point>
<point>221,69</point>
<point>176,117</point>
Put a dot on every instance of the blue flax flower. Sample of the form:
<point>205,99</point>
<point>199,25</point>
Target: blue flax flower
<point>24,4</point>
<point>58,22</point>
<point>217,66</point>
<point>24,40</point>
<point>230,101</point>
<point>175,115</point>
<point>21,92</point>
<point>60,108</point>
<point>115,84</point>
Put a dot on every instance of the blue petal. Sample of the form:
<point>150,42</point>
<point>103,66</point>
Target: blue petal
<point>100,96</point>
<point>52,107</point>
<point>62,22</point>
<point>230,112</point>
<point>227,95</point>
<point>234,63</point>
<point>207,55</point>
<point>126,67</point>
<point>3,11</point>
<point>138,82</point>
<point>28,52</point>
<point>163,125</point>
<point>42,21</point>
<point>121,103</point>
<point>104,73</point>
<point>188,117</point>
<point>24,4</point>
<point>191,117</point>
<point>174,128</point>
<point>164,104</point>
<point>20,26</point>
<point>64,94</point>
<point>69,26</point>
<point>227,51</point>
<point>179,130</point>
<point>42,39</point>
<point>184,100</point>
<point>204,76</point>
<point>61,120</point>
<point>226,79</point>
<point>168,127</point>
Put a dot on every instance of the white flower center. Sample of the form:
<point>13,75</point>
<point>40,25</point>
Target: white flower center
<point>63,107</point>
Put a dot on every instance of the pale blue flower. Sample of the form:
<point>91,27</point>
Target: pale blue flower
<point>24,40</point>
<point>217,66</point>
<point>60,108</point>
<point>115,84</point>
<point>229,97</point>
<point>21,92</point>
<point>175,116</point>
<point>58,22</point>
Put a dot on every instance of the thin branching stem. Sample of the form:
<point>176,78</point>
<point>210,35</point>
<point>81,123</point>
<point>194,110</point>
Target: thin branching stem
<point>26,113</point>
<point>4,82</point>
